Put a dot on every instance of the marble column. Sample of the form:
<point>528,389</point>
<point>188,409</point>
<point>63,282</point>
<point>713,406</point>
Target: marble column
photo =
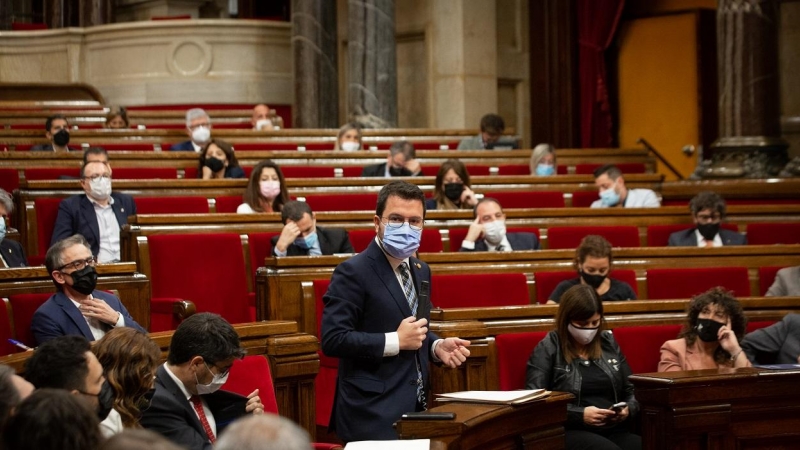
<point>95,12</point>
<point>372,65</point>
<point>750,142</point>
<point>316,96</point>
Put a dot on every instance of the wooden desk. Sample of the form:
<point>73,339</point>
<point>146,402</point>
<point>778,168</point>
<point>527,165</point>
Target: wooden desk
<point>536,425</point>
<point>744,408</point>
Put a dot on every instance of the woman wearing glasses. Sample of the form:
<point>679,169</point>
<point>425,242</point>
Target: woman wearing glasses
<point>77,308</point>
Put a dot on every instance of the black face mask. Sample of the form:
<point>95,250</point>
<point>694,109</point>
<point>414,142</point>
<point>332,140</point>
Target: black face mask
<point>61,138</point>
<point>708,230</point>
<point>214,164</point>
<point>105,400</point>
<point>593,280</point>
<point>399,172</point>
<point>707,329</point>
<point>84,280</point>
<point>453,191</point>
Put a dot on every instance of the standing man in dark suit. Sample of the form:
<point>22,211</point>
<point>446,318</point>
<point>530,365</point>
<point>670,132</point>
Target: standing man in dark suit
<point>375,320</point>
<point>11,253</point>
<point>302,237</point>
<point>57,132</point>
<point>187,407</point>
<point>490,221</point>
<point>708,211</point>
<point>401,162</point>
<point>77,308</point>
<point>98,214</point>
<point>198,128</point>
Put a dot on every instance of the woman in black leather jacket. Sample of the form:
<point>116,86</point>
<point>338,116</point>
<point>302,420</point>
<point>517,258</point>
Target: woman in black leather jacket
<point>581,357</point>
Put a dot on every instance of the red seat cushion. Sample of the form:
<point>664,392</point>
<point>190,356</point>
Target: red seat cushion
<point>477,169</point>
<point>342,202</point>
<point>249,374</point>
<point>9,179</point>
<point>685,283</point>
<point>145,173</point>
<point>467,291</point>
<point>23,306</point>
<point>766,276</point>
<point>51,173</point>
<point>570,237</point>
<point>207,269</point>
<point>584,199</point>
<point>757,325</point>
<point>171,205</point>
<point>6,333</point>
<point>260,248</point>
<point>46,213</point>
<point>127,147</point>
<point>773,233</point>
<point>513,352</point>
<point>514,169</point>
<point>227,203</point>
<point>262,146</point>
<point>641,345</point>
<point>308,172</point>
<point>528,199</point>
<point>325,382</point>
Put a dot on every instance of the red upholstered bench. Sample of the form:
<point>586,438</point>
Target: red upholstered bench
<point>641,345</point>
<point>22,308</point>
<point>474,290</point>
<point>51,173</point>
<point>513,169</point>
<point>227,203</point>
<point>528,199</point>
<point>685,283</point>
<point>6,333</point>
<point>172,205</point>
<point>145,173</point>
<point>570,237</point>
<point>46,212</point>
<point>325,381</point>
<point>9,179</point>
<point>584,199</point>
<point>308,172</point>
<point>251,373</point>
<point>342,202</point>
<point>766,276</point>
<point>773,233</point>
<point>513,352</point>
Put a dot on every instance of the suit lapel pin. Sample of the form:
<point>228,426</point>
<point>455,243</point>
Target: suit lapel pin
<point>419,266</point>
<point>122,209</point>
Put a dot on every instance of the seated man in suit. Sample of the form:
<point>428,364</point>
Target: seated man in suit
<point>77,308</point>
<point>375,321</point>
<point>57,132</point>
<point>490,222</point>
<point>302,237</point>
<point>613,192</point>
<point>490,137</point>
<point>260,119</point>
<point>98,214</point>
<point>11,253</point>
<point>198,128</point>
<point>786,284</point>
<point>401,162</point>
<point>708,211</point>
<point>187,407</point>
<point>776,344</point>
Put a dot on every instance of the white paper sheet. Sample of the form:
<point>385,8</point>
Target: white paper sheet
<point>410,444</point>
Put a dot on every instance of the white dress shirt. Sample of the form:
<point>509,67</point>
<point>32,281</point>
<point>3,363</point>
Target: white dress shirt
<point>109,231</point>
<point>95,326</point>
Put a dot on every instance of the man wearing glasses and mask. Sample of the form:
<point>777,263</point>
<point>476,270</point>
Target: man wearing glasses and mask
<point>98,214</point>
<point>77,308</point>
<point>708,212</point>
<point>376,322</point>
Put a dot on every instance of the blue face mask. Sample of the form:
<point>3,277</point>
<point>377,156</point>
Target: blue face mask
<point>401,242</point>
<point>306,242</point>
<point>609,197</point>
<point>2,228</point>
<point>544,170</point>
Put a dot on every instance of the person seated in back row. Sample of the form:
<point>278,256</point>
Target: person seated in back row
<point>786,284</point>
<point>708,211</point>
<point>490,222</point>
<point>57,132</point>
<point>11,252</point>
<point>198,128</point>
<point>401,162</point>
<point>302,237</point>
<point>452,188</point>
<point>593,263</point>
<point>217,161</point>
<point>543,160</point>
<point>490,137</point>
<point>613,192</point>
<point>776,344</point>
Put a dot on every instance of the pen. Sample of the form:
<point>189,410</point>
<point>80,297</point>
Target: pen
<point>19,344</point>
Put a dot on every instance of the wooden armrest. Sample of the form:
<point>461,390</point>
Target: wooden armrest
<point>178,306</point>
<point>183,309</point>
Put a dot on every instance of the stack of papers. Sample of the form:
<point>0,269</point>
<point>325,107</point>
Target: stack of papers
<point>410,444</point>
<point>495,397</point>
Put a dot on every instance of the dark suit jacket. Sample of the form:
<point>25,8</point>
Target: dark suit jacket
<point>331,240</point>
<point>76,215</point>
<point>687,238</point>
<point>58,316</point>
<point>13,253</point>
<point>365,301</point>
<point>185,146</point>
<point>375,170</point>
<point>48,148</point>
<point>230,172</point>
<point>518,241</point>
<point>172,415</point>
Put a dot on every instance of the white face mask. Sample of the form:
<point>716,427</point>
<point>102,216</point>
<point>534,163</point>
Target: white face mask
<point>350,146</point>
<point>201,135</point>
<point>494,232</point>
<point>263,123</point>
<point>216,383</point>
<point>582,335</point>
<point>100,188</point>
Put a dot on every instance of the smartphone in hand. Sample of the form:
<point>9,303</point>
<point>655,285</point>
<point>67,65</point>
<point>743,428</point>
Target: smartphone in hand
<point>618,407</point>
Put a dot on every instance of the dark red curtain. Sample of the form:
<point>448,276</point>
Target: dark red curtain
<point>597,23</point>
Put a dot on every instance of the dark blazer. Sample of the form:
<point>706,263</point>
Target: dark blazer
<point>687,238</point>
<point>58,316</point>
<point>47,148</point>
<point>365,301</point>
<point>185,146</point>
<point>518,241</point>
<point>76,215</point>
<point>172,415</point>
<point>776,344</point>
<point>13,253</point>
<point>230,172</point>
<point>331,240</point>
<point>375,170</point>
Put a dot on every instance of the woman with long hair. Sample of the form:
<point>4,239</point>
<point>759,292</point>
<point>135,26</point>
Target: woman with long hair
<point>452,188</point>
<point>266,191</point>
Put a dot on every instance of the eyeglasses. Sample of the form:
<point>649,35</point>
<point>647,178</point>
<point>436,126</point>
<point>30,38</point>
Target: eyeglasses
<point>708,217</point>
<point>396,221</point>
<point>221,373</point>
<point>197,125</point>
<point>79,264</point>
<point>98,177</point>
